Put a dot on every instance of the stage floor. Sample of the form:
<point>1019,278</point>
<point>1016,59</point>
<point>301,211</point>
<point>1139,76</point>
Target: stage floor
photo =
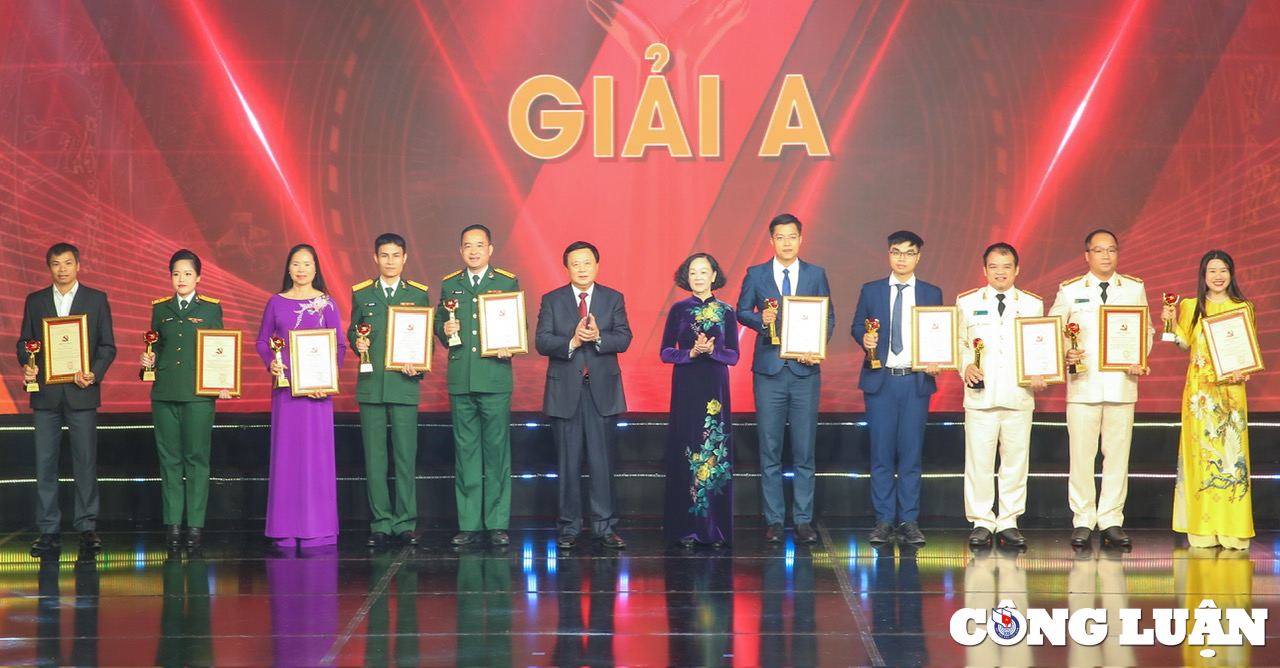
<point>836,602</point>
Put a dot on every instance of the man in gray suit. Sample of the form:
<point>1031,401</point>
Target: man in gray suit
<point>72,404</point>
<point>581,329</point>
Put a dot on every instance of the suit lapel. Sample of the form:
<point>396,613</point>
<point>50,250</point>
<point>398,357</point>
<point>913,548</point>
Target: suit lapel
<point>770,286</point>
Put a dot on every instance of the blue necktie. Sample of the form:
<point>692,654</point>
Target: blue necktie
<point>895,331</point>
<point>786,282</point>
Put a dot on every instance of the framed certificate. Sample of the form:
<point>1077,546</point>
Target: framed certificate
<point>1233,342</point>
<point>804,327</point>
<point>502,323</point>
<point>409,337</point>
<point>218,362</point>
<point>1122,334</point>
<point>1039,349</point>
<point>66,348</point>
<point>933,337</point>
<point>313,361</point>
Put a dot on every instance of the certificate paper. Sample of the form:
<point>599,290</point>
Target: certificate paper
<point>933,337</point>
<point>313,361</point>
<point>1233,342</point>
<point>502,324</point>
<point>1123,332</point>
<point>66,348</point>
<point>1039,350</point>
<point>218,362</point>
<point>409,335</point>
<point>804,327</point>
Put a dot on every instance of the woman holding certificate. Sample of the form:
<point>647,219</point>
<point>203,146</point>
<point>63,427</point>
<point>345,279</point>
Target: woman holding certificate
<point>1212,501</point>
<point>183,419</point>
<point>701,343</point>
<point>302,503</point>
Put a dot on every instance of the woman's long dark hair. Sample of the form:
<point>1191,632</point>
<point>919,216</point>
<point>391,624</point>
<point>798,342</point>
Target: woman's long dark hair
<point>1233,290</point>
<point>318,282</point>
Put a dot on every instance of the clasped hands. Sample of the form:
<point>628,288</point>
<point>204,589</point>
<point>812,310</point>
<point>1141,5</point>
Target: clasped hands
<point>702,345</point>
<point>586,332</point>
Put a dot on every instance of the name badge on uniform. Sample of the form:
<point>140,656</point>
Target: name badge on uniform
<point>1082,300</point>
<point>458,292</point>
<point>981,312</point>
<point>370,304</point>
<point>167,320</point>
<point>196,319</point>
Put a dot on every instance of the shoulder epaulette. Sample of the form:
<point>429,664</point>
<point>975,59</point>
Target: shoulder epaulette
<point>1135,279</point>
<point>1031,294</point>
<point>211,300</point>
<point>1069,281</point>
<point>504,272</point>
<point>416,285</point>
<point>162,300</point>
<point>967,293</point>
<point>451,275</point>
<point>362,285</point>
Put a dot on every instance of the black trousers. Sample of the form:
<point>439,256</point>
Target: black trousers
<point>591,435</point>
<point>83,428</point>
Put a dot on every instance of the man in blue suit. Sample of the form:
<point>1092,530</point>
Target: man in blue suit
<point>785,390</point>
<point>897,398</point>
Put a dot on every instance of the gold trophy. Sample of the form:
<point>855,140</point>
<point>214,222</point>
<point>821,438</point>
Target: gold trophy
<point>277,345</point>
<point>451,305</point>
<point>362,334</point>
<point>33,347</point>
<point>1073,333</point>
<point>772,304</point>
<point>1169,300</point>
<point>149,372</point>
<point>873,325</point>
<point>977,361</point>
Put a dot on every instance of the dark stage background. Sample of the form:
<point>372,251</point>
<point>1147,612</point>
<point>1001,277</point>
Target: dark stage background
<point>239,128</point>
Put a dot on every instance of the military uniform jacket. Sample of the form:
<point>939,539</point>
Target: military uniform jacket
<point>468,372</point>
<point>176,349</point>
<point>980,319</point>
<point>1078,301</point>
<point>369,305</point>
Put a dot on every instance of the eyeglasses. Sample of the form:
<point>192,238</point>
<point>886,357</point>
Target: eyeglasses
<point>1099,250</point>
<point>901,254</point>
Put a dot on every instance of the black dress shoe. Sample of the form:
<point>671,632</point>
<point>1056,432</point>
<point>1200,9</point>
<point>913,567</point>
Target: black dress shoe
<point>1012,537</point>
<point>499,537</point>
<point>194,535</point>
<point>466,538</point>
<point>980,537</point>
<point>566,541</point>
<point>687,543</point>
<point>1116,537</point>
<point>89,542</point>
<point>376,539</point>
<point>173,535</point>
<point>911,534</point>
<point>1080,537</point>
<point>805,533</point>
<point>774,534</point>
<point>883,533</point>
<point>408,537</point>
<point>47,543</point>
<point>613,541</point>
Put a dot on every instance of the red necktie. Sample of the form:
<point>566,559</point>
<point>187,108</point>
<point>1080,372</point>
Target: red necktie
<point>582,305</point>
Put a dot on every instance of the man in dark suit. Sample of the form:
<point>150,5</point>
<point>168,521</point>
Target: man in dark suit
<point>897,398</point>
<point>72,404</point>
<point>785,390</point>
<point>582,327</point>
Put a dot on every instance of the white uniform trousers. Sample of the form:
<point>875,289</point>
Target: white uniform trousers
<point>1094,508</point>
<point>985,431</point>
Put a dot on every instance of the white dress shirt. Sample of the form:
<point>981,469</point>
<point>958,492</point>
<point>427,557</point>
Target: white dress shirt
<point>793,274</point>
<point>61,302</point>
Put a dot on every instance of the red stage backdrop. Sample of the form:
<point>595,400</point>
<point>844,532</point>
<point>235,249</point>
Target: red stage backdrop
<point>238,129</point>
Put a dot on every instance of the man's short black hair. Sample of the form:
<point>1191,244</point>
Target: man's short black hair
<point>58,249</point>
<point>1088,239</point>
<point>1001,248</point>
<point>487,236</point>
<point>906,237</point>
<point>579,245</point>
<point>388,238</point>
<point>785,219</point>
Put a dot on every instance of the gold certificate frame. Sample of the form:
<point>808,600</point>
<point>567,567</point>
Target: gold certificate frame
<point>218,361</point>
<point>502,323</point>
<point>934,337</point>
<point>1122,337</point>
<point>1039,350</point>
<point>409,339</point>
<point>66,348</point>
<point>804,327</point>
<point>313,361</point>
<point>1233,343</point>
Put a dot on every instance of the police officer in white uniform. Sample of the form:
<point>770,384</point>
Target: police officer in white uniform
<point>1099,403</point>
<point>997,411</point>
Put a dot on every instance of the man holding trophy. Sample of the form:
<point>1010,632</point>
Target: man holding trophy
<point>387,396</point>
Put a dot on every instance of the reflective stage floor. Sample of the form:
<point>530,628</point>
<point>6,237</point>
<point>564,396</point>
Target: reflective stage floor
<point>834,603</point>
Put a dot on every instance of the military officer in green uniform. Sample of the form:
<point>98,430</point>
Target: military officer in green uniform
<point>388,397</point>
<point>479,396</point>
<point>183,420</point>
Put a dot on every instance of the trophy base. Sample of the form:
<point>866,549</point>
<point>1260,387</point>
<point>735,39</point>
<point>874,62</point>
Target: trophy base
<point>875,364</point>
<point>455,340</point>
<point>148,376</point>
<point>775,341</point>
<point>281,381</point>
<point>1075,368</point>
<point>33,387</point>
<point>1168,336</point>
<point>366,368</point>
<point>980,385</point>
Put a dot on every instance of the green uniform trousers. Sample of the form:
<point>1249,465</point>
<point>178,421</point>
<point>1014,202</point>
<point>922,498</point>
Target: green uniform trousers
<point>403,419</point>
<point>184,431</point>
<point>482,459</point>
